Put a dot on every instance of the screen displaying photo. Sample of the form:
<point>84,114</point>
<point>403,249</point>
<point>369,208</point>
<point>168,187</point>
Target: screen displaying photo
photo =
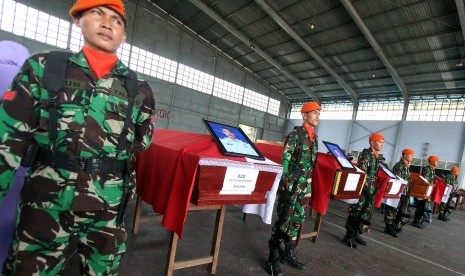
<point>387,171</point>
<point>232,140</point>
<point>337,153</point>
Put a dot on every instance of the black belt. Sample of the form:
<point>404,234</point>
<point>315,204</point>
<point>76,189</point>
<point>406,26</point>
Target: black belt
<point>77,163</point>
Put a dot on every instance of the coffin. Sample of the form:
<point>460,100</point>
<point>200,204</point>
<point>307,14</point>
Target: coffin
<point>420,187</point>
<point>348,184</point>
<point>394,188</point>
<point>209,183</point>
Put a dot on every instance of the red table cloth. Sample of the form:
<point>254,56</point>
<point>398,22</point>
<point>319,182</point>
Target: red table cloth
<point>166,172</point>
<point>438,190</point>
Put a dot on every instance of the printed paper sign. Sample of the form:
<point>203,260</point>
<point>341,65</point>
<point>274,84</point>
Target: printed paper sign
<point>428,192</point>
<point>395,187</point>
<point>239,181</point>
<point>351,182</point>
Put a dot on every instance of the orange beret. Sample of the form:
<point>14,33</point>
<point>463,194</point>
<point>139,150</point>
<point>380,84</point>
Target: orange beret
<point>310,106</point>
<point>433,158</point>
<point>375,137</point>
<point>82,5</point>
<point>408,151</point>
<point>455,169</point>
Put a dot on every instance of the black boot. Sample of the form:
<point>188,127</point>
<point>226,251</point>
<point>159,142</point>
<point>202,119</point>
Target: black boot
<point>290,258</point>
<point>272,265</point>
<point>442,217</point>
<point>391,230</point>
<point>417,223</point>
<point>349,239</point>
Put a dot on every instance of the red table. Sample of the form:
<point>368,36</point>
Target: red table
<point>167,170</point>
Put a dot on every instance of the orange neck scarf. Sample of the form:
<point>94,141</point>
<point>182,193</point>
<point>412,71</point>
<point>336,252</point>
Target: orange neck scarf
<point>406,163</point>
<point>310,131</point>
<point>100,63</point>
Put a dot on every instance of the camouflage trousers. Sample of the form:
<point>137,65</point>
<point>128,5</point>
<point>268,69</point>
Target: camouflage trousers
<point>360,213</point>
<point>444,207</point>
<point>291,213</point>
<point>421,209</point>
<point>43,235</point>
<point>398,216</point>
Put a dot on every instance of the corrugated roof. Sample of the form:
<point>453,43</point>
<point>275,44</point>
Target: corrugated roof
<point>422,43</point>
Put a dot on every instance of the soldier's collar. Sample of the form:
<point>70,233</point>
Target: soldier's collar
<point>120,69</point>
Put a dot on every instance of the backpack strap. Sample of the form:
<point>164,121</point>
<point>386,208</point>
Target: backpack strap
<point>54,78</point>
<point>301,135</point>
<point>132,86</point>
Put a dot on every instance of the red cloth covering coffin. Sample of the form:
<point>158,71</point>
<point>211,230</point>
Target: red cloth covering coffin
<point>168,169</point>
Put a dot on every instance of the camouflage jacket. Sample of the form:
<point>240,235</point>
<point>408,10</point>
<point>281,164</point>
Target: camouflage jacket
<point>452,180</point>
<point>90,117</point>
<point>428,174</point>
<point>368,163</point>
<point>402,171</point>
<point>297,170</point>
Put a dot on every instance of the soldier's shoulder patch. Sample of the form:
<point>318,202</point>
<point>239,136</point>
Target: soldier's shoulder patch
<point>9,95</point>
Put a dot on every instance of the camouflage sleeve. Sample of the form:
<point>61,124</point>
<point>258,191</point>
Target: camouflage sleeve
<point>289,148</point>
<point>145,122</point>
<point>397,169</point>
<point>427,173</point>
<point>363,160</point>
<point>451,180</point>
<point>18,120</point>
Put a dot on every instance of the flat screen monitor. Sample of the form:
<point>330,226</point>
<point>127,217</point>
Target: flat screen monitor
<point>232,140</point>
<point>339,155</point>
<point>387,170</point>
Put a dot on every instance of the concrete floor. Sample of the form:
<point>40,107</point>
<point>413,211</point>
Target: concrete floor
<point>436,250</point>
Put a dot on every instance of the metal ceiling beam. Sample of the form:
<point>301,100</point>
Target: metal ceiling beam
<point>461,12</point>
<point>280,21</point>
<point>215,16</point>
<point>371,39</point>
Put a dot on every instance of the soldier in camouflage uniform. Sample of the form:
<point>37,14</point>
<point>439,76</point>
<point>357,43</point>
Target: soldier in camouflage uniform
<point>451,179</point>
<point>395,218</point>
<point>423,206</point>
<point>298,160</point>
<point>360,213</point>
<point>78,183</point>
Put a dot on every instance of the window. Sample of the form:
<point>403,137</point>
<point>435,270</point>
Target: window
<point>295,111</point>
<point>337,111</point>
<point>445,110</point>
<point>31,23</point>
<point>273,107</point>
<point>228,91</point>
<point>152,64</point>
<point>255,100</point>
<point>195,79</point>
<point>380,110</point>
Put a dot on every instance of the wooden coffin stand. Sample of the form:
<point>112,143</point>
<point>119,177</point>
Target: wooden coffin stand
<point>206,196</point>
<point>419,187</point>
